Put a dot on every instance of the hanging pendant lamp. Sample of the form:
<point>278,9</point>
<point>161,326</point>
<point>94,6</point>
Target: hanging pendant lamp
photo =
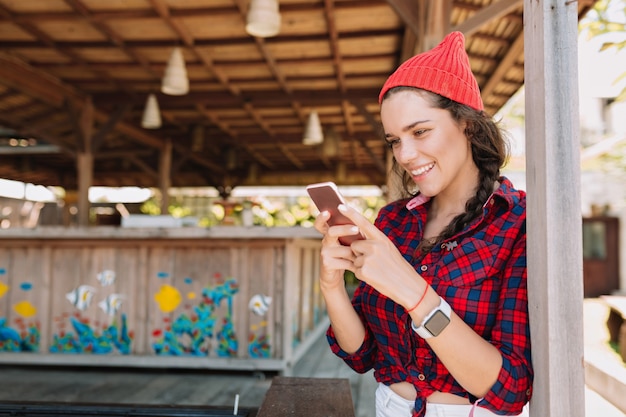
<point>151,114</point>
<point>263,18</point>
<point>313,134</point>
<point>175,81</point>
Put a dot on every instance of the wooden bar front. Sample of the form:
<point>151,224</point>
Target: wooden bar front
<point>227,297</point>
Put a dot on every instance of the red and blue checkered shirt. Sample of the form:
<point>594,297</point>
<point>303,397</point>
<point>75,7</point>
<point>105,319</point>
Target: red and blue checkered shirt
<point>481,273</point>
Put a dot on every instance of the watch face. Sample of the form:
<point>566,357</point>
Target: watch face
<point>437,323</point>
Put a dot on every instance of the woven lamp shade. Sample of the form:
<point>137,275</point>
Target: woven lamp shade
<point>263,19</point>
<point>151,114</point>
<point>175,81</point>
<point>313,134</point>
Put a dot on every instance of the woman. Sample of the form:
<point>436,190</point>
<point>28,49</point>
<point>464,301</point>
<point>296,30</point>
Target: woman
<point>441,312</point>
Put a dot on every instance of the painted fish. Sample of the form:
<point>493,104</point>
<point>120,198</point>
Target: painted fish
<point>259,304</point>
<point>81,296</point>
<point>111,304</point>
<point>3,289</point>
<point>106,277</point>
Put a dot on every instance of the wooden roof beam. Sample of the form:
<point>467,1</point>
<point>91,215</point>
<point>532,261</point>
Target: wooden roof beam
<point>329,14</point>
<point>143,166</point>
<point>22,77</point>
<point>261,98</point>
<point>380,165</point>
<point>270,132</point>
<point>488,14</point>
<point>39,132</point>
<point>513,53</point>
<point>164,12</point>
<point>111,35</point>
<point>198,159</point>
<point>52,91</point>
<point>427,22</point>
<point>226,129</point>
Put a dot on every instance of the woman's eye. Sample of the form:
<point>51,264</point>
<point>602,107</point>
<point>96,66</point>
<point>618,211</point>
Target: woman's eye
<point>420,132</point>
<point>393,142</point>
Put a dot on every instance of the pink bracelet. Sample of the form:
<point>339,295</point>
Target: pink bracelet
<point>419,301</point>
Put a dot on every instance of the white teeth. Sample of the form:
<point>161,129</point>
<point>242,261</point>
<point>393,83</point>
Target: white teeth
<point>423,169</point>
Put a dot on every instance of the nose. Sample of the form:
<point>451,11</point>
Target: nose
<point>406,152</point>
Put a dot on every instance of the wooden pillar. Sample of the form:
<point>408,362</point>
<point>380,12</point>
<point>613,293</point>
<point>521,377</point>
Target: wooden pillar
<point>554,214</point>
<point>84,161</point>
<point>165,174</point>
<point>84,164</point>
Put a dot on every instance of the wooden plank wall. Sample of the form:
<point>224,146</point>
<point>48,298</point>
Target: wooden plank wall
<point>171,297</point>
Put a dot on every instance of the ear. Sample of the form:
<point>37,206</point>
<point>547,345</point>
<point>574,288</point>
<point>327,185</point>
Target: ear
<point>467,128</point>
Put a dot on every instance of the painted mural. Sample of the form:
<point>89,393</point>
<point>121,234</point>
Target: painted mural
<point>205,328</point>
<point>190,324</point>
<point>86,335</point>
<point>85,339</point>
<point>197,332</point>
<point>24,336</point>
<point>258,340</point>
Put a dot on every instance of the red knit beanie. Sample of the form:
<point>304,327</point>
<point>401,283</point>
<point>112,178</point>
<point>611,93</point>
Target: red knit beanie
<point>444,70</point>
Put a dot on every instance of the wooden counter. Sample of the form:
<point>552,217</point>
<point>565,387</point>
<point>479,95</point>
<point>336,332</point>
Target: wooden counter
<point>227,297</point>
<point>311,397</point>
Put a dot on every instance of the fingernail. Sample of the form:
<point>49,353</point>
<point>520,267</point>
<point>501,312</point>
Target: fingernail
<point>342,208</point>
<point>354,229</point>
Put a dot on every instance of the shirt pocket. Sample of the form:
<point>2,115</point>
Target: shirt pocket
<point>469,264</point>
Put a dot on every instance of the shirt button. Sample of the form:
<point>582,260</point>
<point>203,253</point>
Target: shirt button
<point>424,268</point>
<point>421,377</point>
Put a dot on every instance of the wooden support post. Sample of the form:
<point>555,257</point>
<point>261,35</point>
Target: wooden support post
<point>84,163</point>
<point>84,160</point>
<point>554,215</point>
<point>165,173</point>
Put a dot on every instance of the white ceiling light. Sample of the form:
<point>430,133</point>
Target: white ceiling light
<point>263,18</point>
<point>313,134</point>
<point>175,81</point>
<point>151,114</point>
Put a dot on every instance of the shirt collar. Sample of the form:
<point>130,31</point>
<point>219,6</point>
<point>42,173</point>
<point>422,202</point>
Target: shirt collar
<point>505,191</point>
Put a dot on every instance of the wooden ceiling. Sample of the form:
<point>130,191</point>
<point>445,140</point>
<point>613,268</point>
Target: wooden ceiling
<point>75,75</point>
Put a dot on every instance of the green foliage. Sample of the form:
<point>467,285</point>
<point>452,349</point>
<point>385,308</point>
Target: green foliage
<point>614,162</point>
<point>608,16</point>
<point>151,207</point>
<point>267,212</point>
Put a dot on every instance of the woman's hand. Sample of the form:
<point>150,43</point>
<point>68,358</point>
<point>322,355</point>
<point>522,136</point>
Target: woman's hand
<point>335,257</point>
<point>335,260</point>
<point>376,260</point>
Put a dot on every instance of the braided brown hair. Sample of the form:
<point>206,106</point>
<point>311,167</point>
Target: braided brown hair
<point>490,151</point>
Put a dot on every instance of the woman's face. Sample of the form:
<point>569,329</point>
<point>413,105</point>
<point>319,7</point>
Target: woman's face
<point>428,144</point>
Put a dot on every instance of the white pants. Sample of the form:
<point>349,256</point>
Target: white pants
<point>390,404</point>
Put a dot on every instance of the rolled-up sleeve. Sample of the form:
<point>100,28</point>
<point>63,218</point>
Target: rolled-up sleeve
<point>364,358</point>
<point>511,336</point>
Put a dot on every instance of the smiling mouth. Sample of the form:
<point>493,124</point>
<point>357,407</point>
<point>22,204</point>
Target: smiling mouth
<point>422,170</point>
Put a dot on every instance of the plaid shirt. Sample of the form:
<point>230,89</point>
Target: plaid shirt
<point>481,273</point>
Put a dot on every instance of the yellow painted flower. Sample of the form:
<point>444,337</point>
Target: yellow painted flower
<point>168,298</point>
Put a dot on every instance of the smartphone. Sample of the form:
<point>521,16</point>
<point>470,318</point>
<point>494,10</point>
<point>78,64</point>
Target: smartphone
<point>327,197</point>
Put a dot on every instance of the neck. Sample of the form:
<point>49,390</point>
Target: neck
<point>452,201</point>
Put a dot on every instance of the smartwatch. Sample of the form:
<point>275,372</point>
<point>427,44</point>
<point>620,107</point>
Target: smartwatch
<point>435,321</point>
